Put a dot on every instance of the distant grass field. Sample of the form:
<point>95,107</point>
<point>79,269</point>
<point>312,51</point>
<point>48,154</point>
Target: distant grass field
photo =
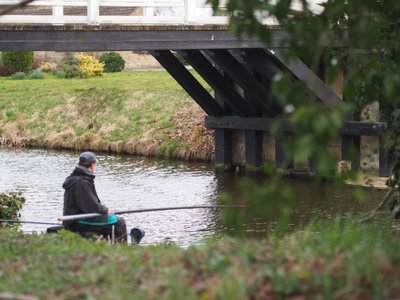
<point>144,112</point>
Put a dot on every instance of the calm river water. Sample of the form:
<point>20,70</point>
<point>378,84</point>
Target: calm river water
<point>126,182</point>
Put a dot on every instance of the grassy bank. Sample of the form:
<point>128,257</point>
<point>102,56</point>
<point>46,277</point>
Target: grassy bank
<point>338,262</point>
<point>144,113</point>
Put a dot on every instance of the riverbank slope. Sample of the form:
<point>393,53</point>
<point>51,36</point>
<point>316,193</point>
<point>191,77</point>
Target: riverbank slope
<point>144,113</point>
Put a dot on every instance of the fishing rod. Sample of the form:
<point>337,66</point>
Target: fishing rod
<point>122,212</point>
<point>27,222</point>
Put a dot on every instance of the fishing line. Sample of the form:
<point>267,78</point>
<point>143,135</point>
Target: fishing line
<point>27,222</point>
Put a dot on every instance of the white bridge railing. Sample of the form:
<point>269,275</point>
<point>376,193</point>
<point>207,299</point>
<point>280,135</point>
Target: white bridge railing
<point>124,12</point>
<point>95,12</point>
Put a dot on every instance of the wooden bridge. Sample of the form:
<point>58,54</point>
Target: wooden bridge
<point>240,71</point>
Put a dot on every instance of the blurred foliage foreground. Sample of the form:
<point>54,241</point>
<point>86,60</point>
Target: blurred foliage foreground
<point>10,204</point>
<point>333,260</point>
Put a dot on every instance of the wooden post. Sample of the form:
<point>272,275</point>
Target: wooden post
<point>188,82</point>
<point>223,149</point>
<point>253,148</point>
<point>58,14</point>
<point>189,11</point>
<point>312,165</point>
<point>384,168</point>
<point>149,9</point>
<point>255,92</point>
<point>253,139</point>
<point>221,84</point>
<point>93,12</point>
<point>281,160</point>
<point>351,145</point>
<point>223,137</point>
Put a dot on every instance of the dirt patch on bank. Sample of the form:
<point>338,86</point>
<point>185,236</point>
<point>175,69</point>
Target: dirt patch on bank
<point>188,139</point>
<point>190,130</point>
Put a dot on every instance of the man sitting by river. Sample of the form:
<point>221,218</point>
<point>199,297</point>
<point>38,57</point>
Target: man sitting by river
<point>80,197</point>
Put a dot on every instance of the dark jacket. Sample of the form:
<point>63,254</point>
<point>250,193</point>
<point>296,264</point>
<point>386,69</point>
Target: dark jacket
<point>80,195</point>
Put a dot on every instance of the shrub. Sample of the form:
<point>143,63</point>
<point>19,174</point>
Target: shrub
<point>89,65</point>
<point>72,71</point>
<point>69,59</point>
<point>37,61</point>
<point>47,67</point>
<point>10,204</point>
<point>19,61</point>
<point>69,68</point>
<point>18,76</point>
<point>36,74</point>
<point>60,74</point>
<point>4,71</point>
<point>113,62</point>
<point>79,66</point>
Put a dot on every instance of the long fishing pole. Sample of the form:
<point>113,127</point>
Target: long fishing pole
<point>91,215</point>
<point>27,222</point>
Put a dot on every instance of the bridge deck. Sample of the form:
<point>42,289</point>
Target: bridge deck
<point>133,37</point>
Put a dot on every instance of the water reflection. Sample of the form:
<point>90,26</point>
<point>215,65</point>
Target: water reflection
<point>311,200</point>
<point>126,182</point>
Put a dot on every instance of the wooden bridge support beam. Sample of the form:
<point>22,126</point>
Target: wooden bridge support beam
<point>253,138</point>
<point>188,82</point>
<point>223,149</point>
<point>303,73</point>
<point>350,128</point>
<point>281,161</point>
<point>351,145</point>
<point>261,62</point>
<point>351,150</point>
<point>253,148</point>
<point>233,102</point>
<point>384,168</point>
<point>223,137</point>
<point>255,92</point>
<point>244,108</point>
<point>219,83</point>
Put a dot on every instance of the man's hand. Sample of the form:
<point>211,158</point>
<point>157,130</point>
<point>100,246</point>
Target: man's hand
<point>110,211</point>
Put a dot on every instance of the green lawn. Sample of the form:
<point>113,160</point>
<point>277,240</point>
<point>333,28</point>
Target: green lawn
<point>130,112</point>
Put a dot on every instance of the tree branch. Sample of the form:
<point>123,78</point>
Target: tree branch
<point>372,213</point>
